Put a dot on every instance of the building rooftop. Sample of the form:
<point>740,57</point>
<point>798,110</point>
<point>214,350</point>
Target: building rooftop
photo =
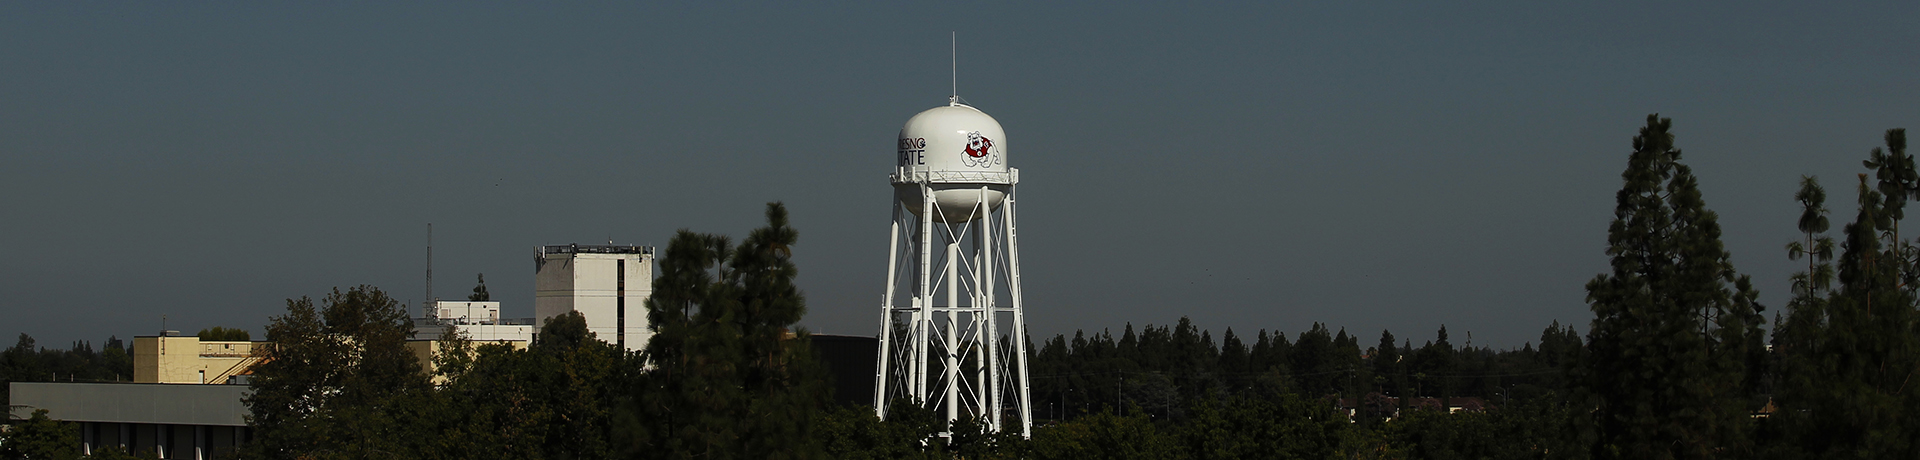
<point>595,249</point>
<point>217,405</point>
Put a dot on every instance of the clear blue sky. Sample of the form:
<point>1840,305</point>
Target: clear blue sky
<point>1367,165</point>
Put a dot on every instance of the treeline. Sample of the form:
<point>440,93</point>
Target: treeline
<point>1176,392</point>
<point>1167,369</point>
<point>1846,353</point>
<point>26,361</point>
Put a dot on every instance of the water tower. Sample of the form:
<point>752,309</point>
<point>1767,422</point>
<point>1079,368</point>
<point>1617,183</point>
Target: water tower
<point>952,332</point>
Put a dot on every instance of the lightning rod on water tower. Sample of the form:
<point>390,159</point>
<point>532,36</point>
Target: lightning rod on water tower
<point>952,327</point>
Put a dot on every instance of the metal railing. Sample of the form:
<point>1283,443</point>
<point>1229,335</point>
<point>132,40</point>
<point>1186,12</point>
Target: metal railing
<point>237,368</point>
<point>595,249</point>
<point>906,176</point>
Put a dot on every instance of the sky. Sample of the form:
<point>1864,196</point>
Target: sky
<point>1251,165</point>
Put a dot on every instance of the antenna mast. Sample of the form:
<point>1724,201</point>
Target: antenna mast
<point>429,263</point>
<point>953,58</point>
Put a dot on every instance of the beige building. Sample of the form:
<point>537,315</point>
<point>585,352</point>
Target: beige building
<point>609,285</point>
<point>186,359</point>
<point>423,351</point>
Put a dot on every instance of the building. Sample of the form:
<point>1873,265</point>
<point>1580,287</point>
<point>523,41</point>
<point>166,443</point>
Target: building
<point>186,401</point>
<point>169,358</point>
<point>609,285</point>
<point>464,312</point>
<point>169,421</point>
<point>850,360</point>
<point>479,321</point>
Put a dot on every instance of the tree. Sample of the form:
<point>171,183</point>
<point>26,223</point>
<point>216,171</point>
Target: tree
<point>26,361</point>
<point>1313,361</point>
<point>1528,430</point>
<point>480,290</point>
<point>335,379</point>
<point>589,382</point>
<point>1850,356</point>
<point>1286,426</point>
<point>854,433</point>
<point>731,377</point>
<point>1674,325</point>
<point>1817,249</point>
<point>224,334</point>
<point>19,363</point>
<point>1353,378</point>
<point>563,333</point>
<point>1387,369</point>
<point>1438,364</point>
<point>1107,436</point>
<point>1233,361</point>
<point>40,438</point>
<point>1561,353</point>
<point>1270,359</point>
<point>1897,181</point>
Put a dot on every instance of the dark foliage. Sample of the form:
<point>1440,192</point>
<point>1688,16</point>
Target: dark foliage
<point>1675,326</point>
<point>39,437</point>
<point>731,378</point>
<point>338,380</point>
<point>25,361</point>
<point>224,334</point>
<point>1848,356</point>
<point>480,290</point>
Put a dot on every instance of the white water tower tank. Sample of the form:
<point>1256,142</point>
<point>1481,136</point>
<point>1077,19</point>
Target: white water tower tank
<point>958,150</point>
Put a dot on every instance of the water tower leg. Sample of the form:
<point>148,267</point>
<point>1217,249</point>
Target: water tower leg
<point>922,314</point>
<point>885,349</point>
<point>1019,313</point>
<point>953,322</point>
<point>984,247</point>
<point>977,394</point>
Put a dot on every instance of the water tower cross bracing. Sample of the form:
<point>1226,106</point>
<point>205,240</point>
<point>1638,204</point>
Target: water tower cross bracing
<point>952,328</point>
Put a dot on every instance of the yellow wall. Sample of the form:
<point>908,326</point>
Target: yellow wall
<point>185,359</point>
<point>188,360</point>
<point>423,351</point>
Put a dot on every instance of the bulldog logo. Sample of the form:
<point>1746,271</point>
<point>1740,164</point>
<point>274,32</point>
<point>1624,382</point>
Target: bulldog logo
<point>980,153</point>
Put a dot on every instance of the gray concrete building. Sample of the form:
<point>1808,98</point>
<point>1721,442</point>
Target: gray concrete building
<point>173,421</point>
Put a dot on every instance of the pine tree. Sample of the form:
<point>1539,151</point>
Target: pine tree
<point>1561,352</point>
<point>732,379</point>
<point>1816,248</point>
<point>1850,357</point>
<point>1352,377</point>
<point>1386,366</point>
<point>1312,362</point>
<point>1129,344</point>
<point>1675,326</point>
<point>1234,362</point>
<point>480,290</point>
<point>1438,365</point>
